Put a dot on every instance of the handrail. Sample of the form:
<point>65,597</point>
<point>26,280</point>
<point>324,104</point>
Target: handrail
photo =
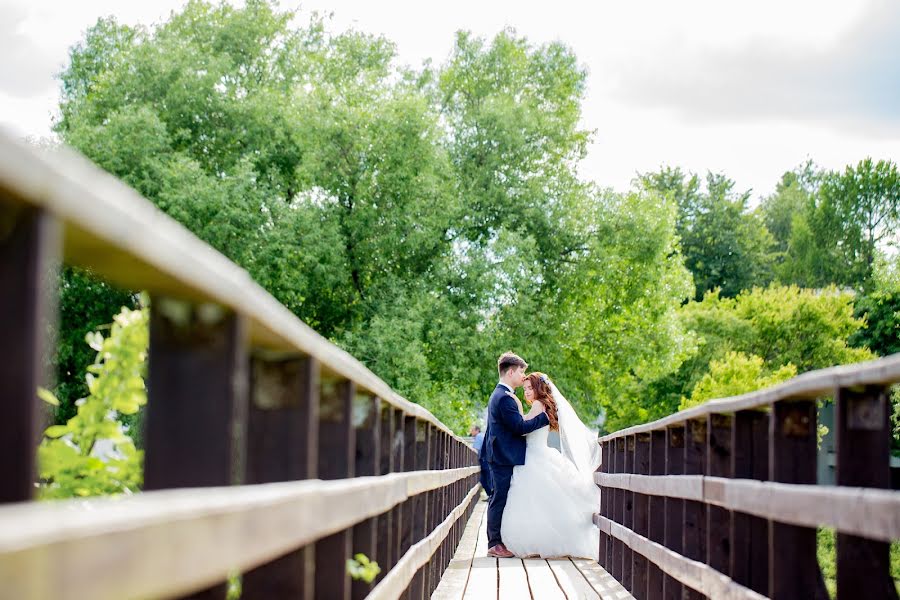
<point>722,499</point>
<point>181,540</point>
<point>113,230</point>
<point>268,401</point>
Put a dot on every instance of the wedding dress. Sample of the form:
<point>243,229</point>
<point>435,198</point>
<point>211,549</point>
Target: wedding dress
<point>552,497</point>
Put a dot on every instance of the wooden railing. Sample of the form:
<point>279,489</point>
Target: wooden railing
<point>249,410</point>
<point>721,500</point>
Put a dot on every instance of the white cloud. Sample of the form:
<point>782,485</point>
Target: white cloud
<point>702,84</point>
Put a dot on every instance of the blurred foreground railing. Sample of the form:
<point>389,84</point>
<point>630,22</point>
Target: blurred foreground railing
<point>244,402</point>
<point>721,501</point>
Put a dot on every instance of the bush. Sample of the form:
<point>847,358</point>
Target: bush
<point>93,453</point>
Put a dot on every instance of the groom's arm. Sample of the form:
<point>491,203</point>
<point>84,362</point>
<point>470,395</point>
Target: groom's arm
<point>512,418</point>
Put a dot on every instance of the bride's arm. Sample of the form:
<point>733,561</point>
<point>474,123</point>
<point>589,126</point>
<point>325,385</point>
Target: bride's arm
<point>537,407</point>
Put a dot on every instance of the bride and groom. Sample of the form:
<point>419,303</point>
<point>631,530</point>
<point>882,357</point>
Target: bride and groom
<point>542,499</point>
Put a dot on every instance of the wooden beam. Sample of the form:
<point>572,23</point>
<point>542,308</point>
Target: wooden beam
<point>657,524</point>
<point>696,576</point>
<point>640,566</point>
<point>367,425</point>
<point>182,540</point>
<point>29,254</point>
<point>337,460</point>
<point>674,507</point>
<point>282,445</point>
<point>863,439</point>
<point>793,568</point>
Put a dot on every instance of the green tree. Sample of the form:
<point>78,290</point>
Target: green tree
<point>845,226</point>
<point>737,373</point>
<point>423,220</point>
<point>725,245</point>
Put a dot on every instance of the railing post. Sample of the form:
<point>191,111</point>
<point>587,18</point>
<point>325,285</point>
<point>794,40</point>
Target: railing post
<point>672,588</point>
<point>433,507</point>
<point>657,524</point>
<point>863,440</point>
<point>420,513</point>
<point>398,449</point>
<point>605,557</point>
<point>282,445</point>
<point>750,460</point>
<point>628,514</point>
<point>409,506</point>
<point>386,558</point>
<point>197,399</point>
<point>793,568</point>
<point>718,519</point>
<point>694,522</point>
<point>367,413</point>
<point>29,253</point>
<point>337,458</point>
<point>640,565</point>
<point>618,507</point>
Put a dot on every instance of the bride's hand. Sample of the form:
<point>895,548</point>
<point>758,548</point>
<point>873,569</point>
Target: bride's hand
<point>537,407</point>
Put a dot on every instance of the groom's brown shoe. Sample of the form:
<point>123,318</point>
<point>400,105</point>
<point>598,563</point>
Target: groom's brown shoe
<point>500,551</point>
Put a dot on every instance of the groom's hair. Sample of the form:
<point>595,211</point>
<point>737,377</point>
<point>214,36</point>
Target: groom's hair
<point>507,361</point>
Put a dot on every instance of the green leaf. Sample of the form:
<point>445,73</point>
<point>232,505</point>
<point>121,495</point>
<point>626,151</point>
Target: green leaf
<point>55,431</point>
<point>47,396</point>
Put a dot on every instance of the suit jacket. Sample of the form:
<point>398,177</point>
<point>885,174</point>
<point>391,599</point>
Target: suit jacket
<point>504,438</point>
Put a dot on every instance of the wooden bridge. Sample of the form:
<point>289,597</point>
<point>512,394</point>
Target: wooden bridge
<point>272,453</point>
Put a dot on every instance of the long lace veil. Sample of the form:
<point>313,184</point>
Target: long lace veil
<point>578,442</point>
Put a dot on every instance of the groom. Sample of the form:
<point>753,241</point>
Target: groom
<point>504,443</point>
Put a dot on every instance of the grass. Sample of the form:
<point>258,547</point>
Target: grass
<point>827,555</point>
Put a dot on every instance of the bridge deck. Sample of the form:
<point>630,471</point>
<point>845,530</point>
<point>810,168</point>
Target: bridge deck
<point>472,575</point>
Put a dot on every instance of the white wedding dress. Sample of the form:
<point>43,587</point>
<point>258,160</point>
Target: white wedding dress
<point>553,497</point>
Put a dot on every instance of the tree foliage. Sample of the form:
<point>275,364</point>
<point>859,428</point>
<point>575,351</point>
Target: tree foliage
<point>725,244</point>
<point>425,220</point>
<point>93,453</point>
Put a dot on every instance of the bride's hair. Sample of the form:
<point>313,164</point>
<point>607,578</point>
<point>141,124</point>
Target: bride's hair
<point>540,384</point>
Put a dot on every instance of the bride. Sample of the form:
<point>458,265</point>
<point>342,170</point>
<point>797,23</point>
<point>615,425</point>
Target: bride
<point>552,497</point>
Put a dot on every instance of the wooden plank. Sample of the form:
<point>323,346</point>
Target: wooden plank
<point>29,253</point>
<point>482,579</point>
<point>602,582</point>
<point>181,540</point>
<point>618,500</point>
<point>674,507</point>
<point>694,522</point>
<point>197,398</point>
<point>542,581</point>
<point>863,444</point>
<point>453,583</point>
<point>628,514</point>
<point>122,237</point>
<point>367,433</point>
<point>657,518</point>
<point>749,460</point>
<point>337,460</point>
<point>605,555</point>
<point>282,445</point>
<point>793,568</point>
<point>398,448</point>
<point>865,512</point>
<point>718,519</point>
<point>572,582</point>
<point>420,581</point>
<point>700,578</point>
<point>397,581</point>
<point>386,555</point>
<point>810,385</point>
<point>512,580</point>
<point>641,517</point>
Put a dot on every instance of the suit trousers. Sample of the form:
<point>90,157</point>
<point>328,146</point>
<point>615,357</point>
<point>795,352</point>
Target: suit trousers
<point>486,483</point>
<point>501,475</point>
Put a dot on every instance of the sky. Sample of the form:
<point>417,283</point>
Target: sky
<point>751,89</point>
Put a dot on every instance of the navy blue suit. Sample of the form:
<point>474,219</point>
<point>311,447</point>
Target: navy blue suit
<point>504,448</point>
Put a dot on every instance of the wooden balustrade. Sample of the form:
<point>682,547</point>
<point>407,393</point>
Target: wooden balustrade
<point>245,402</point>
<point>725,497</point>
